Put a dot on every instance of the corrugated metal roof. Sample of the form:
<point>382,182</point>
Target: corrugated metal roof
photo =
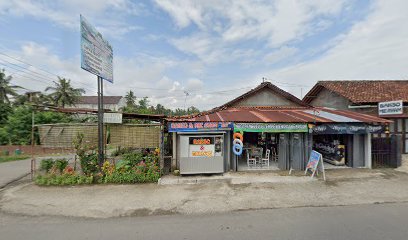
<point>281,115</point>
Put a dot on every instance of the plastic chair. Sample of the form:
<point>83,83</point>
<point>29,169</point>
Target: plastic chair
<point>265,161</point>
<point>250,161</point>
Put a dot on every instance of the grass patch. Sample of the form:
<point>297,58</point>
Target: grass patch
<point>12,158</point>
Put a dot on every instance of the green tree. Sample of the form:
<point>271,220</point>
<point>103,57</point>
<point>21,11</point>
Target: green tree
<point>35,98</point>
<point>192,110</point>
<point>63,93</point>
<point>19,123</point>
<point>5,111</point>
<point>6,89</point>
<point>130,99</point>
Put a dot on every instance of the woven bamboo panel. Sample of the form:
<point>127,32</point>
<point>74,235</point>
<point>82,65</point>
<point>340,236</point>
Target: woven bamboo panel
<point>136,136</point>
<point>62,136</point>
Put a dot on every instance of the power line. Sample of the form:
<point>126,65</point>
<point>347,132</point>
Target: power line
<point>4,54</point>
<point>31,77</point>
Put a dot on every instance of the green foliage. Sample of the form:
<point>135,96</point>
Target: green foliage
<point>136,168</point>
<point>65,179</point>
<point>5,110</point>
<point>6,89</point>
<point>122,150</point>
<point>143,107</point>
<point>19,125</point>
<point>12,158</point>
<point>63,93</point>
<point>46,164</point>
<point>61,164</point>
<point>87,155</point>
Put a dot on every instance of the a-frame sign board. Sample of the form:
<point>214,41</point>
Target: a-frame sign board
<point>315,160</point>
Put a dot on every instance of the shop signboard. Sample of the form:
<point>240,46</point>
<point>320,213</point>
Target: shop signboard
<point>270,127</point>
<point>112,117</point>
<point>199,126</point>
<point>201,147</point>
<point>96,52</point>
<point>347,128</point>
<point>313,164</point>
<point>390,108</point>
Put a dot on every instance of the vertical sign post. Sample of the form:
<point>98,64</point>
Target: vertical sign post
<point>97,58</point>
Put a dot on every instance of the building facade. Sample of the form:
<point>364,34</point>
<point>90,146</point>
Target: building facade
<point>364,97</point>
<point>274,125</point>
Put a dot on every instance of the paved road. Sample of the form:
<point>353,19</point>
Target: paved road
<point>368,222</point>
<point>10,171</point>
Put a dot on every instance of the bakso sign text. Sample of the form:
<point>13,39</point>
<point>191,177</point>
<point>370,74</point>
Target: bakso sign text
<point>390,108</point>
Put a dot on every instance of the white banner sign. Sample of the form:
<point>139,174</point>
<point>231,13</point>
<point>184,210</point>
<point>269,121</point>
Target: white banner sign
<point>96,53</point>
<point>112,117</point>
<point>390,108</point>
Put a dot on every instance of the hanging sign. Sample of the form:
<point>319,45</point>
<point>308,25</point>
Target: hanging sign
<point>390,108</point>
<point>199,126</point>
<point>270,127</point>
<point>96,52</point>
<point>313,164</point>
<point>347,128</point>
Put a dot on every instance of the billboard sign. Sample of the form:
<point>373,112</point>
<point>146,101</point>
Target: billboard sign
<point>390,108</point>
<point>96,52</point>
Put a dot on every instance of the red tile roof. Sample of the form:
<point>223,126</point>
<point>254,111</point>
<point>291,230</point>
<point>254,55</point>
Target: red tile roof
<point>364,91</point>
<point>280,115</point>
<point>94,99</point>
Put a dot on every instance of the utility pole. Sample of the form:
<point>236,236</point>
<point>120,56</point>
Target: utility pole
<point>101,138</point>
<point>33,161</point>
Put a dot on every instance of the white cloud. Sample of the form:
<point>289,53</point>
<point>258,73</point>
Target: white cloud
<point>144,74</point>
<point>109,14</point>
<point>224,23</point>
<point>280,54</point>
<point>375,48</point>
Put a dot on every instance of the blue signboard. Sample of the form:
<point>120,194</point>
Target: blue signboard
<point>96,52</point>
<point>199,126</point>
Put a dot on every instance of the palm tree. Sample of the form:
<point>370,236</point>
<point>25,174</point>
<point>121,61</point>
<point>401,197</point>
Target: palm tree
<point>6,89</point>
<point>130,99</point>
<point>63,93</point>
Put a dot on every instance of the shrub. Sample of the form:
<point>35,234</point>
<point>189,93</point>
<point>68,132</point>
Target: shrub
<point>89,163</point>
<point>46,164</point>
<point>121,151</point>
<point>65,179</point>
<point>61,164</point>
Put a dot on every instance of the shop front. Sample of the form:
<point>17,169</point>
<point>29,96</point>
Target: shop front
<point>272,146</point>
<point>345,144</point>
<point>201,147</point>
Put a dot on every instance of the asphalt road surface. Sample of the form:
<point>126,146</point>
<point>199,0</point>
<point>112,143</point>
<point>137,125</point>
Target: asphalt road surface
<point>368,222</point>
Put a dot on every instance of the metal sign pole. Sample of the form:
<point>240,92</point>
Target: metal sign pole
<point>100,122</point>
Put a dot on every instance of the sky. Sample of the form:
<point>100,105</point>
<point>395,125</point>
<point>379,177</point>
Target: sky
<point>214,50</point>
